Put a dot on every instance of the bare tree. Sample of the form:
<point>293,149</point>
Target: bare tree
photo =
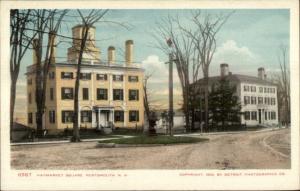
<point>46,22</point>
<point>182,49</point>
<point>282,80</point>
<point>203,35</point>
<point>87,22</point>
<point>19,44</point>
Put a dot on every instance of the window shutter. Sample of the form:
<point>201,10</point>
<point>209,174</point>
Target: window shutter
<point>137,94</point>
<point>63,117</point>
<point>114,77</point>
<point>137,115</point>
<point>90,116</point>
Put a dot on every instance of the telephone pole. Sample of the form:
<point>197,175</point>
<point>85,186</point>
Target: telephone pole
<point>171,119</point>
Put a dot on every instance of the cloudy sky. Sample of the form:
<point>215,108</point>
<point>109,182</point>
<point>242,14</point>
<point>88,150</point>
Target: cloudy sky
<point>249,39</point>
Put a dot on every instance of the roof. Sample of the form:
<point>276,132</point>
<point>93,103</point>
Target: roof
<point>239,79</point>
<point>85,65</point>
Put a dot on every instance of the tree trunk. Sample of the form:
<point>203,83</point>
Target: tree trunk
<point>12,103</point>
<point>76,136</point>
<point>206,99</point>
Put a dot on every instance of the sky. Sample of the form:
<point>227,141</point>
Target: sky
<point>249,39</point>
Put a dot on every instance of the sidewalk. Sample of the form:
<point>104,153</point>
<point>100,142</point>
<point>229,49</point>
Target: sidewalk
<point>230,132</point>
<point>68,141</point>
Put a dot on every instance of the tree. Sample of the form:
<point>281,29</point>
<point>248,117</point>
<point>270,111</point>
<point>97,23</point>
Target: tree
<point>182,50</point>
<point>223,103</point>
<point>46,23</point>
<point>151,116</point>
<point>19,44</point>
<point>203,38</point>
<point>282,79</point>
<point>87,22</point>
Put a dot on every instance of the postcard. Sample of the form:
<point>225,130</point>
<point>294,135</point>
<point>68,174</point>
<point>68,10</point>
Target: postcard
<point>150,95</point>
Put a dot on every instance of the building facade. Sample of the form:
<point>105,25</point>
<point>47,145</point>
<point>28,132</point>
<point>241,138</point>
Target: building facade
<point>257,96</point>
<point>110,93</point>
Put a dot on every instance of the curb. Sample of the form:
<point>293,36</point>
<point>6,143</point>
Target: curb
<point>274,151</point>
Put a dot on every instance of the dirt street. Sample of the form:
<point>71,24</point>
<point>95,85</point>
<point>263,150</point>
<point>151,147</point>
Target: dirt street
<point>247,150</point>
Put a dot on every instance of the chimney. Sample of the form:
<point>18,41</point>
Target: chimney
<point>261,73</point>
<point>128,52</point>
<point>111,55</point>
<point>224,69</point>
<point>35,44</point>
<point>52,40</point>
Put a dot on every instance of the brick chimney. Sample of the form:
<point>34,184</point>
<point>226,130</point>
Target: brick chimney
<point>35,43</point>
<point>224,69</point>
<point>52,40</point>
<point>128,52</point>
<point>261,73</point>
<point>111,55</point>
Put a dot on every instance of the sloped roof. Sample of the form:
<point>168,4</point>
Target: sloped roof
<point>239,78</point>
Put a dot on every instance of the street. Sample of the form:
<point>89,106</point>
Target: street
<point>244,150</point>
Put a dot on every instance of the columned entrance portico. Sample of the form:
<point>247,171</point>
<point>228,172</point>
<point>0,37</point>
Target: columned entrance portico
<point>104,116</point>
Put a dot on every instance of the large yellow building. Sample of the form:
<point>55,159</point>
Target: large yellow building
<point>110,95</point>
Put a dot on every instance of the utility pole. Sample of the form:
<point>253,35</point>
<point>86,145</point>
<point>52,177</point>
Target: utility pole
<point>171,121</point>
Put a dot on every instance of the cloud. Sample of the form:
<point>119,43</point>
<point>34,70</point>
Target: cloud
<point>158,70</point>
<point>240,59</point>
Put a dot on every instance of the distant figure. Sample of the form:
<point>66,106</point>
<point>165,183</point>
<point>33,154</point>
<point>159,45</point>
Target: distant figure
<point>152,123</point>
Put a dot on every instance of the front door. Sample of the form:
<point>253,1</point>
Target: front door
<point>259,116</point>
<point>104,118</point>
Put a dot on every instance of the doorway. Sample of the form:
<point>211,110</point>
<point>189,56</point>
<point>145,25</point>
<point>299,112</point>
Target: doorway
<point>259,116</point>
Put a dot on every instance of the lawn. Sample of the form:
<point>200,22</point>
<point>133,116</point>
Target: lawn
<point>160,139</point>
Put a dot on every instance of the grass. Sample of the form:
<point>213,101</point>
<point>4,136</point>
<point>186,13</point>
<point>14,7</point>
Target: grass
<point>160,139</point>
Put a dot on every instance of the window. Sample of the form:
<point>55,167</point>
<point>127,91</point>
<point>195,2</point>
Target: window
<point>85,93</point>
<point>260,100</point>
<point>253,100</point>
<point>133,95</point>
<point>67,116</point>
<point>265,90</point>
<point>118,94</point>
<point>51,116</point>
<point>261,89</point>
<point>118,78</point>
<point>101,94</point>
<point>66,93</point>
<point>266,115</point>
<point>246,100</point>
<point>253,89</point>
<point>273,115</point>
<point>51,75</point>
<point>67,75</point>
<point>273,101</point>
<point>246,88</point>
<point>30,118</point>
<point>119,116</point>
<point>86,116</point>
<point>102,77</point>
<point>133,115</point>
<point>247,115</point>
<point>266,100</point>
<point>85,76</point>
<point>51,94</point>
<point>29,98</point>
<point>133,78</point>
<point>269,115</point>
<point>253,115</point>
<point>29,81</point>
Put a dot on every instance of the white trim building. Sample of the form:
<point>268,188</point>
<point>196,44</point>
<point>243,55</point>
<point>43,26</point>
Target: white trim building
<point>257,95</point>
